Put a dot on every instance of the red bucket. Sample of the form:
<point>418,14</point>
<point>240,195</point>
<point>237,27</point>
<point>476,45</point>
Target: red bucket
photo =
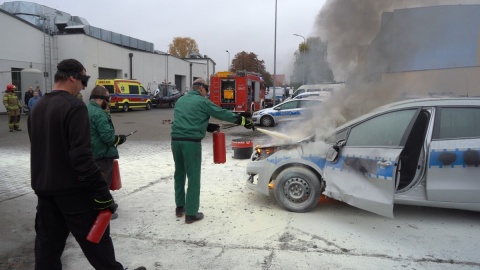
<point>242,148</point>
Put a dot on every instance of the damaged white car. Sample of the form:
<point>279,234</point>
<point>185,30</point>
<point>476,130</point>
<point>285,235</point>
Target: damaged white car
<point>419,152</point>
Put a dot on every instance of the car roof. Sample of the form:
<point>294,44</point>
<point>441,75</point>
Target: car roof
<point>308,94</point>
<point>421,102</point>
<point>425,102</point>
<point>301,99</point>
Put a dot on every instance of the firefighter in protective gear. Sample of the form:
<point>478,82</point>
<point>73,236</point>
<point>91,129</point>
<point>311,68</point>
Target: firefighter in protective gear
<point>13,106</point>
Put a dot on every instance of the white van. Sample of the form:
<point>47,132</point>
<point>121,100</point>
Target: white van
<point>326,88</point>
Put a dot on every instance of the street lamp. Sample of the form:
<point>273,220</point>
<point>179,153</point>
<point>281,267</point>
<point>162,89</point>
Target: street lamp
<point>275,56</point>
<point>228,64</point>
<point>304,56</point>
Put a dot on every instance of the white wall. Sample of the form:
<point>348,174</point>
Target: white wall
<point>148,68</point>
<point>23,44</point>
<point>458,81</point>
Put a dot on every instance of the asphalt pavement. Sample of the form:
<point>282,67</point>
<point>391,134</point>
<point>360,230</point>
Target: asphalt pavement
<point>241,229</point>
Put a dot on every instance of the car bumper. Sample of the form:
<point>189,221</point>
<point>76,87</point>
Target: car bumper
<point>259,175</point>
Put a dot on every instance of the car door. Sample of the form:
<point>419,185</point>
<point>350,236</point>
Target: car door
<point>286,111</point>
<point>454,156</point>
<point>364,173</point>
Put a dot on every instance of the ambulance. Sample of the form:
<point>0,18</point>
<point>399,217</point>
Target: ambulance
<point>126,94</point>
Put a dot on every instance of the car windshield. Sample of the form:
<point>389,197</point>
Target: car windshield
<point>287,105</point>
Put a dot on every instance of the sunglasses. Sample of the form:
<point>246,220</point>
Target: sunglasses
<point>100,97</point>
<point>82,78</point>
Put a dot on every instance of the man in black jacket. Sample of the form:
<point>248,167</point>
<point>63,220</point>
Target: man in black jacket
<point>28,96</point>
<point>69,185</point>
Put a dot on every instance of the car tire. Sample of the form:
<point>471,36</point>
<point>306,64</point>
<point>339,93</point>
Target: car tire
<point>125,107</point>
<point>267,121</point>
<point>297,189</point>
<point>149,106</point>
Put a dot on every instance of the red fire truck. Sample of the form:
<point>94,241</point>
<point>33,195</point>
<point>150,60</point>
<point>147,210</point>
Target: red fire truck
<point>241,92</point>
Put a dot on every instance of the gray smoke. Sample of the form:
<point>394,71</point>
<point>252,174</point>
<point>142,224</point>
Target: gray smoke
<point>349,26</point>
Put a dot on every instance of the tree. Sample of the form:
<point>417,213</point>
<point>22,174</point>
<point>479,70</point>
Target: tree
<point>311,66</point>
<point>182,46</point>
<point>249,62</point>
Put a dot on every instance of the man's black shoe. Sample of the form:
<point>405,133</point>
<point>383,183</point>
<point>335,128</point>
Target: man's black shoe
<point>191,219</point>
<point>179,211</point>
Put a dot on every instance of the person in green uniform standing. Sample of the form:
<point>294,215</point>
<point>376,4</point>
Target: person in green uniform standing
<point>102,133</point>
<point>191,115</point>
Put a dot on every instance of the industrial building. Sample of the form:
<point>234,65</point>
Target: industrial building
<point>426,51</point>
<point>35,38</point>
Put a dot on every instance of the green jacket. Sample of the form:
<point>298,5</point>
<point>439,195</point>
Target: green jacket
<point>191,115</point>
<point>102,132</point>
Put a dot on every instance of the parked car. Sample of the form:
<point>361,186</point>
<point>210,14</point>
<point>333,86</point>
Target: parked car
<point>326,87</point>
<point>269,102</point>
<point>165,94</point>
<point>422,152</point>
<point>291,110</point>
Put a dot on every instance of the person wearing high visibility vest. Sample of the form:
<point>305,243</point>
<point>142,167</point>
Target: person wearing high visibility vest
<point>13,106</point>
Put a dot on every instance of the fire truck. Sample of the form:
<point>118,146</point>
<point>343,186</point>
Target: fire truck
<point>241,92</point>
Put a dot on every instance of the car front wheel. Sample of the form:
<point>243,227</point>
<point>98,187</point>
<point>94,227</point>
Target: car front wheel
<point>267,121</point>
<point>297,189</point>
<point>125,107</point>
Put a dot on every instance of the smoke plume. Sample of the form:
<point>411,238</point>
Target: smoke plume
<point>349,26</point>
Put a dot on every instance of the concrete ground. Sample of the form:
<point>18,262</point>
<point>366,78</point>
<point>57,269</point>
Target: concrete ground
<point>242,229</point>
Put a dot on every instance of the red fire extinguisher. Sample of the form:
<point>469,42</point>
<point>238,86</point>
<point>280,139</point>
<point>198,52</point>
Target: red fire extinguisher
<point>99,226</point>
<point>219,149</point>
<point>116,180</point>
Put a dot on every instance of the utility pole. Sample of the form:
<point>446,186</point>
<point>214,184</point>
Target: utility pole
<point>275,57</point>
<point>228,63</point>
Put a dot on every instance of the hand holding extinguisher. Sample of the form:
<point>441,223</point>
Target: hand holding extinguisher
<point>107,207</point>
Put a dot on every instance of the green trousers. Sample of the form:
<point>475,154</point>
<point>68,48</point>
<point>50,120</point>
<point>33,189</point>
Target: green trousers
<point>188,161</point>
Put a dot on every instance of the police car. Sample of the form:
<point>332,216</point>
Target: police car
<point>422,152</point>
<point>290,110</point>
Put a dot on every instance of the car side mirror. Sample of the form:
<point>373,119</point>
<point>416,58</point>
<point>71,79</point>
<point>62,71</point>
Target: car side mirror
<point>332,154</point>
<point>334,151</point>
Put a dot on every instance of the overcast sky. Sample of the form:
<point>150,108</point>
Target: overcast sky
<point>216,25</point>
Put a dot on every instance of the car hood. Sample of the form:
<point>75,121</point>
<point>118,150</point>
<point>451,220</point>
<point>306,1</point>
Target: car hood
<point>264,111</point>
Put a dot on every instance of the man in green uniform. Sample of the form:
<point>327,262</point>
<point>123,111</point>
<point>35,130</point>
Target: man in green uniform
<point>190,123</point>
<point>102,132</point>
<point>12,104</point>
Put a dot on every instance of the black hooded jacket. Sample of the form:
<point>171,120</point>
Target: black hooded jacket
<point>61,155</point>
